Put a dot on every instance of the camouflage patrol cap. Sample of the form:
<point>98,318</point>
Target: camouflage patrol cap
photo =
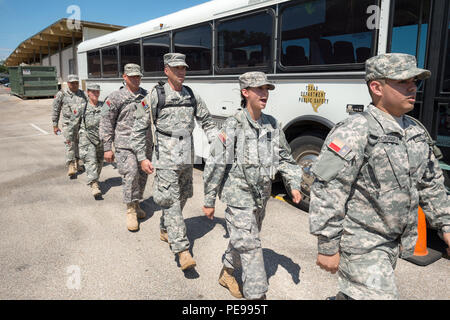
<point>132,69</point>
<point>93,86</point>
<point>175,60</point>
<point>395,66</point>
<point>254,79</point>
<point>72,78</point>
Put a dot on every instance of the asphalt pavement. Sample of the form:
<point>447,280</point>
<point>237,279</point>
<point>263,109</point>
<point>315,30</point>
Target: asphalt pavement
<point>58,242</point>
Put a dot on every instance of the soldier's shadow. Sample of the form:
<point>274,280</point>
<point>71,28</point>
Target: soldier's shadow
<point>150,207</point>
<point>271,262</point>
<point>196,228</point>
<point>110,183</point>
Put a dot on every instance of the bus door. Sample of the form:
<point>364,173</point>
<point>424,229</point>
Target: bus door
<point>436,114</point>
<point>421,28</point>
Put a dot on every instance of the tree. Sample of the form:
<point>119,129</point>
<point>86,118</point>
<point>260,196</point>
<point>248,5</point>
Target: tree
<point>3,68</point>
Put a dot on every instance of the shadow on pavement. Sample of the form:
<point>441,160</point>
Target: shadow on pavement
<point>436,243</point>
<point>191,274</point>
<point>150,207</point>
<point>198,227</point>
<point>271,262</point>
<point>110,183</point>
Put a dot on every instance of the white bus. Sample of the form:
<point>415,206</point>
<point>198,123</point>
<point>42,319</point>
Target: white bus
<point>313,50</point>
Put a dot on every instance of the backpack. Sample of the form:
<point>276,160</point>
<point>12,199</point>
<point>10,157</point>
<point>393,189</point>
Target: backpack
<point>162,99</point>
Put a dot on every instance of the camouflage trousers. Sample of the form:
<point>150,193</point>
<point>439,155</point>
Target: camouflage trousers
<point>244,249</point>
<point>92,156</point>
<point>171,189</point>
<point>133,178</point>
<point>72,151</point>
<point>369,276</point>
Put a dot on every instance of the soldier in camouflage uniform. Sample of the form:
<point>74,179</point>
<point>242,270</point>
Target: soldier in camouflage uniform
<point>374,170</point>
<point>173,156</point>
<point>115,127</point>
<point>71,102</point>
<point>245,156</point>
<point>91,148</point>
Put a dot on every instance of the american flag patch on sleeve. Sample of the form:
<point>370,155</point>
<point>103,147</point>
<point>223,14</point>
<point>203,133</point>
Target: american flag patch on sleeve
<point>223,137</point>
<point>144,105</point>
<point>339,147</point>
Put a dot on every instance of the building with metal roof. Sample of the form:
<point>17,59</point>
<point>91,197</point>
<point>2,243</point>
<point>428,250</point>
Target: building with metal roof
<point>56,45</point>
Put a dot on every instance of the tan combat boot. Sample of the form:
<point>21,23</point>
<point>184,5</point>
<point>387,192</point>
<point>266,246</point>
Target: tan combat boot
<point>186,260</point>
<point>140,213</point>
<point>95,189</point>
<point>72,169</point>
<point>163,236</point>
<point>132,222</point>
<point>227,280</point>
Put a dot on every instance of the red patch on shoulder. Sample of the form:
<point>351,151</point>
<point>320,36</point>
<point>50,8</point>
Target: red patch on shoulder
<point>223,137</point>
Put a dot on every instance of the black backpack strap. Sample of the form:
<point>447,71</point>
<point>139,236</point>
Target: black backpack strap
<point>161,97</point>
<point>372,139</point>
<point>437,152</point>
<point>83,116</point>
<point>193,100</point>
<point>84,122</point>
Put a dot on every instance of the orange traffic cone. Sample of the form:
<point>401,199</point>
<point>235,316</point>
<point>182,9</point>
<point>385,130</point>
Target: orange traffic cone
<point>423,256</point>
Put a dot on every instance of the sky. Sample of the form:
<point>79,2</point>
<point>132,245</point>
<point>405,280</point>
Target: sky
<point>20,19</point>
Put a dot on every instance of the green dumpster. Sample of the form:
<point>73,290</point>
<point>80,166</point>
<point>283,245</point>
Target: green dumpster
<point>33,81</point>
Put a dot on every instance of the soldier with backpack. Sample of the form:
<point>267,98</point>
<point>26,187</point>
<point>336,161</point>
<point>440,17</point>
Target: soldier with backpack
<point>115,128</point>
<point>374,170</point>
<point>69,102</point>
<point>171,110</point>
<point>91,148</point>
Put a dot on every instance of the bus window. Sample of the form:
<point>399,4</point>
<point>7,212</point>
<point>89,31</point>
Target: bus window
<point>245,43</point>
<point>444,125</point>
<point>130,53</point>
<point>410,28</point>
<point>93,62</point>
<point>443,134</point>
<point>324,32</point>
<point>195,43</point>
<point>154,50</point>
<point>109,61</point>
<point>446,73</point>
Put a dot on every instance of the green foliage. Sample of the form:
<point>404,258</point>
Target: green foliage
<point>3,68</point>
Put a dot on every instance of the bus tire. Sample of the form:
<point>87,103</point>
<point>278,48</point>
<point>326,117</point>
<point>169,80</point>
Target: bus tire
<point>305,150</point>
